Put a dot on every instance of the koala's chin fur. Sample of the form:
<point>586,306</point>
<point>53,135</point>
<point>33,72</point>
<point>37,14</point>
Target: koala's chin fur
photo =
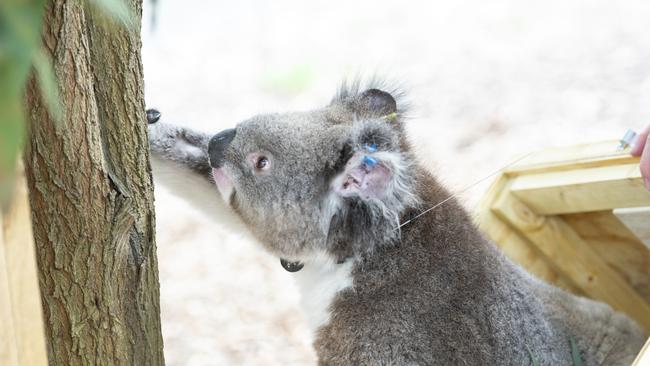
<point>329,188</point>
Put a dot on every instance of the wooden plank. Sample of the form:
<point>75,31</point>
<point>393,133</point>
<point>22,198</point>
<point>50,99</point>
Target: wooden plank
<point>21,271</point>
<point>637,220</point>
<point>617,246</point>
<point>572,255</point>
<point>582,190</point>
<point>514,245</point>
<point>8,350</point>
<point>603,153</point>
<point>643,358</point>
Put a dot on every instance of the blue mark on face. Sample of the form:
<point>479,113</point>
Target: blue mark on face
<point>370,148</point>
<point>369,161</point>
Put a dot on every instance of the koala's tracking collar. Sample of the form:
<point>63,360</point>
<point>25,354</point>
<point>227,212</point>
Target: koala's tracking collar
<point>291,266</point>
<point>297,266</point>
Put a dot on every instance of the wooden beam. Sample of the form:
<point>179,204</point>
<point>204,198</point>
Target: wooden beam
<point>569,252</point>
<point>516,247</point>
<point>582,190</point>
<point>22,280</point>
<point>592,155</point>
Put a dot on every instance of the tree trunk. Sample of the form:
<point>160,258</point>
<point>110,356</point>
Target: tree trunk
<point>91,194</point>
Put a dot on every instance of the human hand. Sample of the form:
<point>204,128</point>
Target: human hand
<point>642,147</point>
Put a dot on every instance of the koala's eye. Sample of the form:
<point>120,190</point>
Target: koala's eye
<point>262,163</point>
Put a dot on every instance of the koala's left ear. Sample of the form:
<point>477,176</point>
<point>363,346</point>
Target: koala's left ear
<point>376,103</point>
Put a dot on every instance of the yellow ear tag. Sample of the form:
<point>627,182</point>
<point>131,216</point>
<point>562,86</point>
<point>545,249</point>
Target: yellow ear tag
<point>390,117</point>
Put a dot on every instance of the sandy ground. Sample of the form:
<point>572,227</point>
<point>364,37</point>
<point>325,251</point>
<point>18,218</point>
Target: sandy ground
<point>488,80</point>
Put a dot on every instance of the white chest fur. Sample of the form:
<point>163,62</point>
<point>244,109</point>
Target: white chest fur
<point>320,280</point>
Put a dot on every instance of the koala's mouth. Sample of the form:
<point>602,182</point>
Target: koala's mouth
<point>224,184</point>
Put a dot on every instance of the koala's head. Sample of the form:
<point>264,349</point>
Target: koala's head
<point>335,179</point>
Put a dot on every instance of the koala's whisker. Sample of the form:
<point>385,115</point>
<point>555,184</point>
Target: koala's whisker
<point>461,191</point>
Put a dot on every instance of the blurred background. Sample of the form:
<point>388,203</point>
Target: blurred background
<point>488,80</point>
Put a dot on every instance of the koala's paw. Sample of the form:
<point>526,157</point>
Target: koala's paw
<point>153,115</point>
<point>176,143</point>
<point>161,135</point>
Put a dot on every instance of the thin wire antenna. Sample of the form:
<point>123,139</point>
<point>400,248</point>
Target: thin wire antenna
<point>461,191</point>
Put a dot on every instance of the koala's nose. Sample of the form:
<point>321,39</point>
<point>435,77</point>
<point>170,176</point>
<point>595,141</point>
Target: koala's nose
<point>218,145</point>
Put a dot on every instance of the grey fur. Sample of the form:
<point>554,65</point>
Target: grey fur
<point>436,292</point>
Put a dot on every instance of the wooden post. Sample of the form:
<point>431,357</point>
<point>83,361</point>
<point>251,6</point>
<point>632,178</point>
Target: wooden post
<point>22,340</point>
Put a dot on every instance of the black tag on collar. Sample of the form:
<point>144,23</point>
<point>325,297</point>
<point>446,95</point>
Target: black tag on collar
<point>291,266</point>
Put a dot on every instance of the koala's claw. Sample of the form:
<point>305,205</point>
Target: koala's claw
<point>152,116</point>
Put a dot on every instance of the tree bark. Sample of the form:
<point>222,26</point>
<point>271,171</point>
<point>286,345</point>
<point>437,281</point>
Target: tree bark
<point>91,194</point>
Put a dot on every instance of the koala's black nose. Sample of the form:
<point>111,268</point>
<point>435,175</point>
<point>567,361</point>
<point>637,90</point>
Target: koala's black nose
<point>218,145</point>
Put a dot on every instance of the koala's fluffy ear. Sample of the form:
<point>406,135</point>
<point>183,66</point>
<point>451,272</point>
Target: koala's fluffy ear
<point>375,102</point>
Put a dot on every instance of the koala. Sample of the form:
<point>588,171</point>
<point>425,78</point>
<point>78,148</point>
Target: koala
<point>336,194</point>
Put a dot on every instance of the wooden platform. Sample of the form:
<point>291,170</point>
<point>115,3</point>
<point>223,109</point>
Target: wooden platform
<point>555,213</point>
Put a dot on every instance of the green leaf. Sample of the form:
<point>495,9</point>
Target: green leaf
<point>20,35</point>
<point>118,10</point>
<point>533,359</point>
<point>20,25</point>
<point>48,84</point>
<point>575,353</point>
